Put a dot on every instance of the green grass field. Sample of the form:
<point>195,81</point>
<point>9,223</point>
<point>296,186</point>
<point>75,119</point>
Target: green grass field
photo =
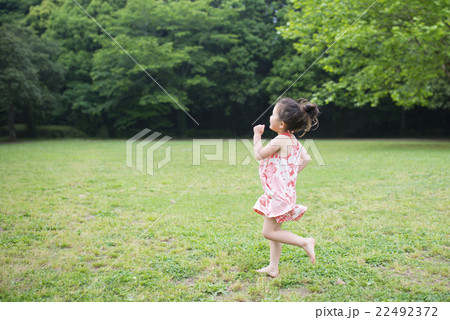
<point>77,224</point>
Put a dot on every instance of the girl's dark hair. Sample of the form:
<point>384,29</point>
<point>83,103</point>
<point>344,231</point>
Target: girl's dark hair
<point>300,115</point>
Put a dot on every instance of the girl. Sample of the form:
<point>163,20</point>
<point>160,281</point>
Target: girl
<point>281,160</point>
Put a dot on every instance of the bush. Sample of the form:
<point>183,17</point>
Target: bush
<point>49,132</point>
<point>55,131</point>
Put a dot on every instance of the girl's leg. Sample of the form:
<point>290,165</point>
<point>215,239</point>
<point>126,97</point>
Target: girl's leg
<point>272,231</point>
<point>275,253</point>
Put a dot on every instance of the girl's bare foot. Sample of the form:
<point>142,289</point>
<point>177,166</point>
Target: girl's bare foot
<point>309,248</point>
<point>269,271</point>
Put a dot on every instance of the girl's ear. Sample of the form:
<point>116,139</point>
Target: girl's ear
<point>282,124</point>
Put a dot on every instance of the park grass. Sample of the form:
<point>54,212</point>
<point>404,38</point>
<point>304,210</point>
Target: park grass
<point>77,224</point>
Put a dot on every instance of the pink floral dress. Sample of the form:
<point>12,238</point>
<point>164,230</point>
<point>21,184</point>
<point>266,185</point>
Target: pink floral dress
<point>278,177</point>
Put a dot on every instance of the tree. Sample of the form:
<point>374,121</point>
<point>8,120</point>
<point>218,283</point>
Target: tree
<point>211,56</point>
<point>13,11</point>
<point>168,40</point>
<point>397,50</point>
<point>39,15</point>
<point>249,61</point>
<point>28,76</point>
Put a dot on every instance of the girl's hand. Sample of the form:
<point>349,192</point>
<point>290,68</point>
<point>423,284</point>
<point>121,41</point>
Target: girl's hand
<point>259,129</point>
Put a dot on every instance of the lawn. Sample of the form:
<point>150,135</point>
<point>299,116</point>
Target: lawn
<point>77,224</point>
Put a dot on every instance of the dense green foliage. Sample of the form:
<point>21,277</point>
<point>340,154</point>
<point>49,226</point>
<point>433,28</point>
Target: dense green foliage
<point>397,49</point>
<point>222,61</point>
<point>29,79</point>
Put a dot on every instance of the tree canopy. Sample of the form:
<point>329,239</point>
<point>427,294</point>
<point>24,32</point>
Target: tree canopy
<point>29,78</point>
<point>383,49</point>
<point>222,61</point>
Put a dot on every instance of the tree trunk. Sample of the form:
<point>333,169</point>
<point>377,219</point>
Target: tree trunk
<point>233,119</point>
<point>403,121</point>
<point>343,123</point>
<point>30,120</point>
<point>12,129</point>
<point>181,119</point>
<point>109,126</point>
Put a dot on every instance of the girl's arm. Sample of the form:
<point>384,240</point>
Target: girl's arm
<point>304,159</point>
<point>260,152</point>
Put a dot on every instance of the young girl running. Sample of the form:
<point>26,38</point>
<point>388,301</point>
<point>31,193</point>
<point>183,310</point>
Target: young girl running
<point>281,160</point>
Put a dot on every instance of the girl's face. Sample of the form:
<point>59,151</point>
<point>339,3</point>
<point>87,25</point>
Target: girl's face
<point>275,123</point>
